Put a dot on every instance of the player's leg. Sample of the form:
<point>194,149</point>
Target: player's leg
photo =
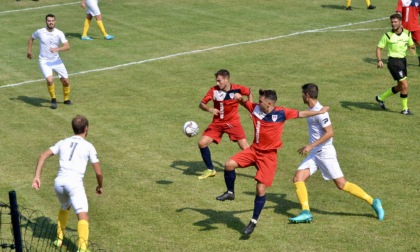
<point>63,214</point>
<point>348,5</point>
<point>259,203</point>
<point>403,87</point>
<point>47,71</point>
<point>61,70</point>
<point>301,175</point>
<point>395,67</point>
<point>230,177</point>
<point>369,6</point>
<point>86,27</point>
<point>213,133</point>
<point>83,231</point>
<point>80,206</point>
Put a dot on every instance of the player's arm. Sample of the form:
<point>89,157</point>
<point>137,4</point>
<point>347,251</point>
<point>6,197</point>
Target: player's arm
<point>99,177</point>
<point>308,113</point>
<point>380,64</point>
<point>206,108</point>
<point>36,182</point>
<point>329,133</point>
<point>65,47</point>
<point>29,54</point>
<point>241,99</point>
<point>83,4</point>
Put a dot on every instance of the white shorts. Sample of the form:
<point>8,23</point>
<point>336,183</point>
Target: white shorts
<point>71,194</point>
<point>47,68</point>
<point>326,161</point>
<point>92,7</point>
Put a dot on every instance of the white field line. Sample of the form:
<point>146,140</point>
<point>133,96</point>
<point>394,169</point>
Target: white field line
<point>203,50</point>
<point>36,8</point>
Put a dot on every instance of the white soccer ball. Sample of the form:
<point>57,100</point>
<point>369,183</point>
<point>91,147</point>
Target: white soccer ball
<point>190,128</point>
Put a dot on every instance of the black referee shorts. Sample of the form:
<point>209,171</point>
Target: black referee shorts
<point>398,68</point>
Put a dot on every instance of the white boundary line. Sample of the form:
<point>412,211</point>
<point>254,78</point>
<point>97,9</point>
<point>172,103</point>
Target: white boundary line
<point>35,8</point>
<point>203,50</point>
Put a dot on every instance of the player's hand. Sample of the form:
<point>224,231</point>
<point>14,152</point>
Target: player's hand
<point>305,150</point>
<point>29,55</point>
<point>99,190</point>
<point>380,64</point>
<point>83,5</point>
<point>36,183</point>
<point>53,50</point>
<point>325,109</point>
<point>238,96</point>
<point>214,111</point>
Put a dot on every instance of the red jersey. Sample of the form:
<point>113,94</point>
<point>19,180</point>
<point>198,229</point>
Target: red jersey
<point>410,14</point>
<point>269,127</point>
<point>225,102</point>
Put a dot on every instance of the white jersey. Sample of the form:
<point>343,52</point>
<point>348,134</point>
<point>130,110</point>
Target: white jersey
<point>74,152</point>
<point>49,40</point>
<point>316,125</point>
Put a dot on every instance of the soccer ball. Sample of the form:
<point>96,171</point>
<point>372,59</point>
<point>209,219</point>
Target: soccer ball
<point>190,128</point>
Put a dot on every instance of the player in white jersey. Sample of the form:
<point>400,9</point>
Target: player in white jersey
<point>75,152</point>
<point>322,156</point>
<point>49,59</point>
<point>92,10</point>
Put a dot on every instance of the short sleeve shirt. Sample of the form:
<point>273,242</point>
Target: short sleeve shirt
<point>49,40</point>
<point>316,125</point>
<point>396,44</point>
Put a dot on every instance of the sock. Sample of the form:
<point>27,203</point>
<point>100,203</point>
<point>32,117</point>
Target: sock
<point>355,190</point>
<point>86,27</point>
<point>259,203</point>
<point>101,27</point>
<point>206,155</point>
<point>348,3</point>
<point>302,194</point>
<point>230,177</point>
<point>83,233</point>
<point>404,101</point>
<point>386,94</point>
<point>63,217</point>
<point>367,3</point>
<point>51,90</point>
<point>66,92</point>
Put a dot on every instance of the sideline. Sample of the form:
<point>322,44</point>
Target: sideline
<point>207,49</point>
<point>36,8</point>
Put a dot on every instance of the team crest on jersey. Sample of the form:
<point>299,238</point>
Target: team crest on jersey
<point>274,117</point>
<point>231,95</point>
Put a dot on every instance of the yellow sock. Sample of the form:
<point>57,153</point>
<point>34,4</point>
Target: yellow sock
<point>355,190</point>
<point>66,92</point>
<point>63,217</point>
<point>302,195</point>
<point>83,233</point>
<point>404,103</point>
<point>386,94</point>
<point>367,3</point>
<point>51,90</point>
<point>86,27</point>
<point>348,3</point>
<point>101,27</point>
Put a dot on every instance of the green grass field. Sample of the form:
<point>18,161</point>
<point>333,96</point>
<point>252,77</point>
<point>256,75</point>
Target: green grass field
<point>139,89</point>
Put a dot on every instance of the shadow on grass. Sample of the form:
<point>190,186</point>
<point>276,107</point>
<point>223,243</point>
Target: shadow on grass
<point>373,106</point>
<point>34,101</point>
<point>196,168</point>
<point>73,35</point>
<point>333,6</point>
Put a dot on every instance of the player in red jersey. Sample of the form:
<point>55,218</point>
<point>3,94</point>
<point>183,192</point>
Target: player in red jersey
<point>268,122</point>
<point>225,117</point>
<point>410,10</point>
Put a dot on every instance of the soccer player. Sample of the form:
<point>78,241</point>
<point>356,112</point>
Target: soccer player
<point>268,122</point>
<point>225,117</point>
<point>92,10</point>
<point>49,59</point>
<point>410,9</point>
<point>74,153</point>
<point>369,6</point>
<point>396,41</point>
<point>322,156</point>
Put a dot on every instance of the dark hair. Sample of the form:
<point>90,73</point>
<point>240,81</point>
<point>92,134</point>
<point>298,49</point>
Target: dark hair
<point>311,89</point>
<point>222,72</point>
<point>396,16</point>
<point>79,124</point>
<point>49,15</point>
<point>269,94</point>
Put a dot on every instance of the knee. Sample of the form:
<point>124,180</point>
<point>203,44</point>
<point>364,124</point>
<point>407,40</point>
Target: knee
<point>230,165</point>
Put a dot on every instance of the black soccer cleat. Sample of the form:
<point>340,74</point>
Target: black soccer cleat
<point>249,228</point>
<point>226,196</point>
<point>349,8</point>
<point>406,112</point>
<point>381,103</point>
<point>68,102</point>
<point>371,7</point>
<point>53,103</point>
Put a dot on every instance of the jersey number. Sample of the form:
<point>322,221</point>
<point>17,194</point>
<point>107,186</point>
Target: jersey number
<point>73,147</point>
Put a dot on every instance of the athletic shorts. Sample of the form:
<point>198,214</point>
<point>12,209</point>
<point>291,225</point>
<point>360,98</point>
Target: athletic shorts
<point>416,36</point>
<point>47,68</point>
<point>92,7</point>
<point>324,160</point>
<point>216,130</point>
<point>398,68</point>
<point>71,194</point>
<point>265,161</point>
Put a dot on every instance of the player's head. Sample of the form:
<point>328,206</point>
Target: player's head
<point>222,79</point>
<point>267,100</point>
<point>50,21</point>
<point>309,90</point>
<point>396,21</point>
<point>80,124</point>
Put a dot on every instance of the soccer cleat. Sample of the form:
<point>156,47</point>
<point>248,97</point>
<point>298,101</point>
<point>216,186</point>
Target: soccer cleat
<point>207,173</point>
<point>53,103</point>
<point>58,243</point>
<point>381,103</point>
<point>349,8</point>
<point>371,7</point>
<point>109,37</point>
<point>406,112</point>
<point>86,38</point>
<point>226,196</point>
<point>68,102</point>
<point>250,228</point>
<point>377,206</point>
<point>304,217</point>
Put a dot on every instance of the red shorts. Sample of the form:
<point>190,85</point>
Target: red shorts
<point>265,161</point>
<point>416,36</point>
<point>216,129</point>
